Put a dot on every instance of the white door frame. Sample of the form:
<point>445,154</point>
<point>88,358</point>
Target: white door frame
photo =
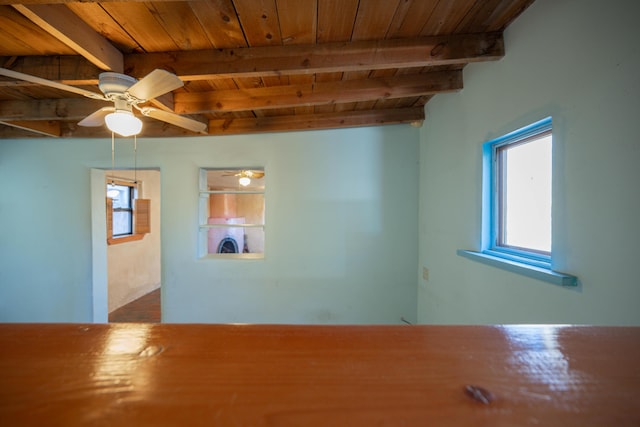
<point>100,307</point>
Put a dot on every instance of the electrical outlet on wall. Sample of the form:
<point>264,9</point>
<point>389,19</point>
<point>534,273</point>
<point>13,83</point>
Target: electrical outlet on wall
<point>425,273</point>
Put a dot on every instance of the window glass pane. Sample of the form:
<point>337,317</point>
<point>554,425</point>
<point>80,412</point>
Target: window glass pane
<point>122,223</point>
<point>526,195</point>
<point>232,212</point>
<point>121,199</point>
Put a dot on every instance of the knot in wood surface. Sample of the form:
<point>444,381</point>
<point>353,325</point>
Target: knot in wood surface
<point>479,394</point>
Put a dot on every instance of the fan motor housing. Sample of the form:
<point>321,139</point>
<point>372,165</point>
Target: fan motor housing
<point>115,83</point>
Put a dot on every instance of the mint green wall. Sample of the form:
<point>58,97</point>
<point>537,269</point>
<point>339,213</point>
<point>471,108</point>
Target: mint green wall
<point>578,61</point>
<point>341,227</point>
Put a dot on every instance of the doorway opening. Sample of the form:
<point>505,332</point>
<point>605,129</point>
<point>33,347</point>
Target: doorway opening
<point>127,267</point>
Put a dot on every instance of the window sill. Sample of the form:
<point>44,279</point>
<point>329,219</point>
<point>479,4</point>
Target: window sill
<point>124,239</point>
<point>536,272</point>
<point>234,256</point>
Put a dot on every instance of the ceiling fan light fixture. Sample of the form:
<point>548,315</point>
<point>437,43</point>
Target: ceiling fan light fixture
<point>123,122</point>
<point>244,181</point>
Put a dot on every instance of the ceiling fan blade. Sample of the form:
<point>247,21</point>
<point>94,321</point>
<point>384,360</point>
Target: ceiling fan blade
<point>156,83</point>
<point>96,118</point>
<point>249,173</point>
<point>38,80</point>
<point>175,119</point>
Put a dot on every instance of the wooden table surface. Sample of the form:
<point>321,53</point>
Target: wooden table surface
<point>260,375</point>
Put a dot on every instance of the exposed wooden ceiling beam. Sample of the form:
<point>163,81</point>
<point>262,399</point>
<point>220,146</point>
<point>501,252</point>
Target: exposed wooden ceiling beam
<point>11,2</point>
<point>232,126</point>
<point>63,24</point>
<point>253,99</point>
<point>46,128</point>
<point>321,58</point>
<point>343,119</point>
<point>278,60</point>
<point>318,93</point>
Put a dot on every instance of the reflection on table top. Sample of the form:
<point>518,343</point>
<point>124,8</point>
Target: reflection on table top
<point>263,375</point>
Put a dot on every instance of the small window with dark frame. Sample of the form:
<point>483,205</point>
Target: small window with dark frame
<point>128,218</point>
<point>122,197</point>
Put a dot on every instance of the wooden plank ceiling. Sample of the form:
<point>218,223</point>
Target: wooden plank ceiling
<point>248,65</point>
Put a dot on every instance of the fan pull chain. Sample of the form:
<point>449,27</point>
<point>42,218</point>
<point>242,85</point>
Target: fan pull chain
<point>135,159</point>
<point>113,161</point>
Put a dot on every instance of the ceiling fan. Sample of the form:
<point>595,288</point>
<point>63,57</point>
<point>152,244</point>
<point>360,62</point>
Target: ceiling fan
<point>126,93</point>
<point>245,175</point>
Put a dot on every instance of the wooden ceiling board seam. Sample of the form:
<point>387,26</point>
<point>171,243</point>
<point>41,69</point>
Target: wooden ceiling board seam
<point>446,17</point>
<point>270,81</point>
<point>476,19</point>
<point>344,106</point>
<point>356,75</point>
<point>140,23</point>
<point>276,112</point>
<point>181,25</point>
<point>304,110</point>
<point>259,22</point>
<point>365,105</point>
<point>494,13</point>
<point>328,77</point>
<point>219,21</point>
<point>104,24</point>
<point>407,102</point>
<point>410,18</point>
<point>336,19</point>
<point>383,72</point>
<point>323,109</point>
<point>299,25</point>
<point>373,19</point>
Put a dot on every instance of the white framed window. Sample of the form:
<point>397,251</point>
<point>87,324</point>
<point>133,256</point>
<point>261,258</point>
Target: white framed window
<point>232,213</point>
<point>517,194</point>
